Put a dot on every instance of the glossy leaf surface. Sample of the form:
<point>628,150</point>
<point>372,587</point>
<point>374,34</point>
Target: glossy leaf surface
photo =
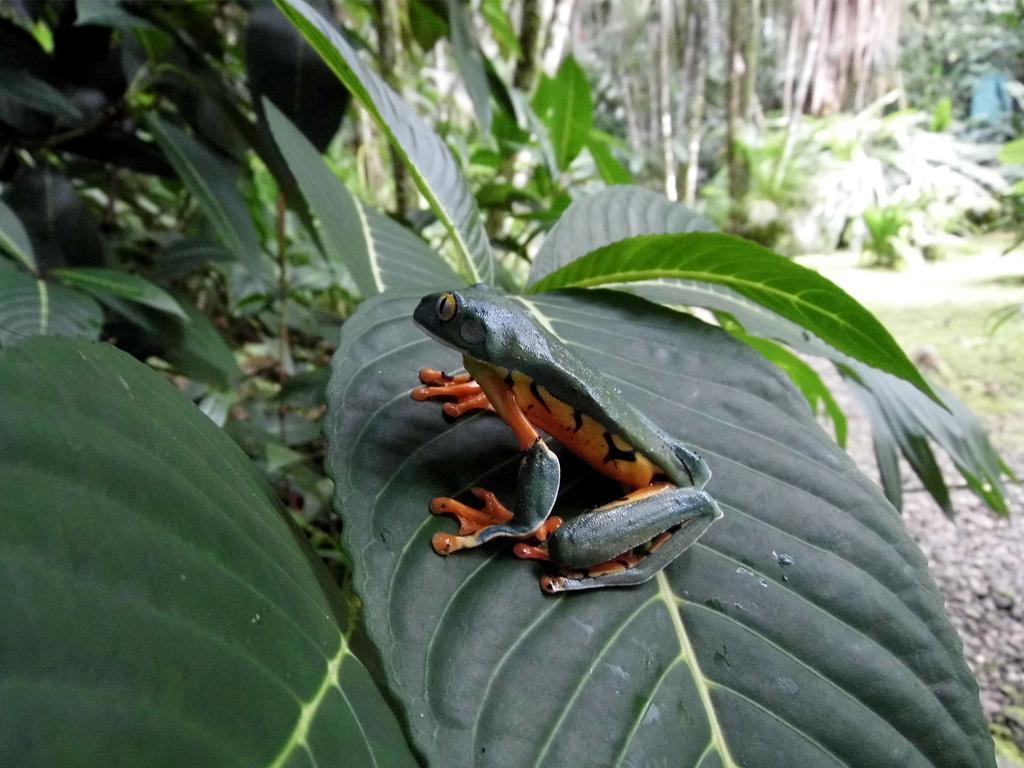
<point>606,217</point>
<point>789,290</point>
<point>564,104</point>
<point>801,630</point>
<point>158,608</point>
<point>902,418</point>
<point>14,239</point>
<point>212,182</point>
<point>31,307</point>
<point>378,252</point>
<point>430,162</point>
<point>123,284</point>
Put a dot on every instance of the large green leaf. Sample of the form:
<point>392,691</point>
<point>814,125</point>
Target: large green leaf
<point>31,307</point>
<point>430,162</point>
<point>213,184</point>
<point>902,418</point>
<point>564,104</point>
<point>60,228</point>
<point>902,414</point>
<point>122,284</point>
<point>606,217</point>
<point>789,290</point>
<point>158,608</point>
<point>801,630</point>
<point>378,252</point>
<point>283,68</point>
<point>14,238</point>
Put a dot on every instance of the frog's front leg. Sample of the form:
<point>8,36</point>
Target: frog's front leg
<point>538,480</point>
<point>467,393</point>
<point>628,541</point>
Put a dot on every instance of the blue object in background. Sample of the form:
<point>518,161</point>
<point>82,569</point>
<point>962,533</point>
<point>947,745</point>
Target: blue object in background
<point>990,100</point>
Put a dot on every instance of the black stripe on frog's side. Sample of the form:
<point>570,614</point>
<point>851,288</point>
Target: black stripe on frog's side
<point>538,397</point>
<point>577,420</point>
<point>509,380</point>
<point>614,452</point>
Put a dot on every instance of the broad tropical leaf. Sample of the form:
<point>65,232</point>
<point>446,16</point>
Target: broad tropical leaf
<point>212,182</point>
<point>14,239</point>
<point>283,68</point>
<point>912,416</point>
<point>31,307</point>
<point>158,608</point>
<point>564,104</point>
<point>904,415</point>
<point>60,228</point>
<point>789,290</point>
<point>430,162</point>
<point>606,217</point>
<point>23,88</point>
<point>801,630</point>
<point>122,284</point>
<point>803,376</point>
<point>379,253</point>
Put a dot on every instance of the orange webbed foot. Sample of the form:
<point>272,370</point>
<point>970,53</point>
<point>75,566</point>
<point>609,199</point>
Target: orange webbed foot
<point>467,393</point>
<point>471,519</point>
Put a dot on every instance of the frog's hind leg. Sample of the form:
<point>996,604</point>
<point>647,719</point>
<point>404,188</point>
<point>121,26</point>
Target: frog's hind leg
<point>629,541</point>
<point>539,475</point>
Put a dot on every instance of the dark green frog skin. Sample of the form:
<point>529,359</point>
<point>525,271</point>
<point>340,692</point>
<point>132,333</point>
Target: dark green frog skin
<point>520,369</point>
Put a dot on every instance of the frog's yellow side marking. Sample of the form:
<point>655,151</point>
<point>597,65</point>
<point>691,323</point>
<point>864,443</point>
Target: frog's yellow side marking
<point>605,451</point>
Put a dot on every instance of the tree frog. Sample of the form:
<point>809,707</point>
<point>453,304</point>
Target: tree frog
<point>518,369</point>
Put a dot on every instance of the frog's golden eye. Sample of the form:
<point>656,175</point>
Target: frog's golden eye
<point>447,306</point>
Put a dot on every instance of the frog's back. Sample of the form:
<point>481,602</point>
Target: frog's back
<point>566,397</point>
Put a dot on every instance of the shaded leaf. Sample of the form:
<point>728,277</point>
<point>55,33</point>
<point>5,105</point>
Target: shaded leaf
<point>564,104</point>
<point>29,91</point>
<point>808,597</point>
<point>59,226</point>
<point>606,217</point>
<point>787,289</point>
<point>197,349</point>
<point>282,67</point>
<point>907,418</point>
<point>379,253</point>
<point>804,377</point>
<point>212,182</point>
<point>611,170</point>
<point>430,162</point>
<point>31,307</point>
<point>14,238</point>
<point>107,13</point>
<point>469,61</point>
<point>122,284</point>
<point>496,15</point>
<point>948,427</point>
<point>159,609</point>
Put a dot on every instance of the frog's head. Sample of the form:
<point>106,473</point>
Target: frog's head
<point>477,321</point>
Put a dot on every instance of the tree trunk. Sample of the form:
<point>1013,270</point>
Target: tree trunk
<point>733,99</point>
<point>529,33</point>
<point>789,75</point>
<point>387,24</point>
<point>558,34</point>
<point>665,99</point>
<point>695,120</point>
<point>750,55</point>
<point>801,90</point>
